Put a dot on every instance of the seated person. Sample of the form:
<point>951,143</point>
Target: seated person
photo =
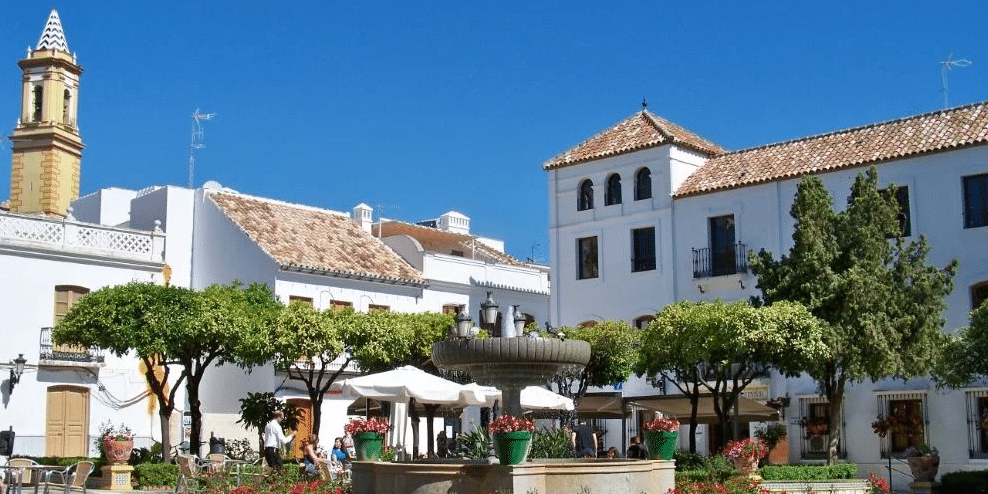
<point>310,457</point>
<point>339,453</point>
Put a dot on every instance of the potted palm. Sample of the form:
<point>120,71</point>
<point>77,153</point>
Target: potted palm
<point>660,438</point>
<point>368,437</point>
<point>511,436</point>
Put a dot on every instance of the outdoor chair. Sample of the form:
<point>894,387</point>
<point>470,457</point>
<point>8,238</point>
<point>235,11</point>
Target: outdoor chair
<point>72,478</point>
<point>216,462</point>
<point>25,475</point>
<point>188,472</point>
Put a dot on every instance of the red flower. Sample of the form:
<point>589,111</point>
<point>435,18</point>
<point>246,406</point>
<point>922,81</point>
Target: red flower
<point>372,424</point>
<point>663,424</point>
<point>507,423</point>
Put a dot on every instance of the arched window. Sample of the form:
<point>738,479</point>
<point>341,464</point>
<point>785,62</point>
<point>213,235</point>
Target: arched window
<point>66,100</point>
<point>38,94</point>
<point>642,322</point>
<point>643,184</point>
<point>979,294</point>
<point>585,201</point>
<point>613,195</point>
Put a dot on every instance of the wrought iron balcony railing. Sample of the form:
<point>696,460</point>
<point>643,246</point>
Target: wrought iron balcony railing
<point>708,262</point>
<point>68,353</point>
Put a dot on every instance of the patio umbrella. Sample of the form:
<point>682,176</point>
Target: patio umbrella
<point>532,397</point>
<point>406,382</point>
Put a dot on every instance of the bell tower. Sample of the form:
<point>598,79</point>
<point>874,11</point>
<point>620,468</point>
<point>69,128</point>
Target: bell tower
<point>46,145</point>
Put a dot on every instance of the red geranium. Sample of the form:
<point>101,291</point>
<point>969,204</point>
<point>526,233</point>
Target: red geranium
<point>373,424</point>
<point>746,449</point>
<point>664,424</point>
<point>507,423</point>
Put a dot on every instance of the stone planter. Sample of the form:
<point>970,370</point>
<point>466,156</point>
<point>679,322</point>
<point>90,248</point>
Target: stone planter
<point>924,468</point>
<point>745,466</point>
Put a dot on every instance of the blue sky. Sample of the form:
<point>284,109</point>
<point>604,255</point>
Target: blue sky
<point>418,108</point>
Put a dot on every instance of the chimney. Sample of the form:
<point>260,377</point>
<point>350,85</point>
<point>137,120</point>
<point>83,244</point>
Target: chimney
<point>455,222</point>
<point>363,216</point>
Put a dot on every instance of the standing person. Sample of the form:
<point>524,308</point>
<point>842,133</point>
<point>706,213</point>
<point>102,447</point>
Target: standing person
<point>274,439</point>
<point>442,444</point>
<point>584,440</point>
<point>348,445</point>
<point>635,450</point>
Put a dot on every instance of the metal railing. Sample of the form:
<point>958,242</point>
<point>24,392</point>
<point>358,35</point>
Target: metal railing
<point>977,423</point>
<point>974,217</point>
<point>732,259</point>
<point>68,353</point>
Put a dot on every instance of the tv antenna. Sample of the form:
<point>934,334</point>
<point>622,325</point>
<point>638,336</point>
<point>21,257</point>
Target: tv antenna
<point>535,247</point>
<point>945,66</point>
<point>197,119</point>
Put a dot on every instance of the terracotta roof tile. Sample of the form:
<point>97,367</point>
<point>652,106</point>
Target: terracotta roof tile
<point>640,131</point>
<point>921,134</point>
<point>445,242</point>
<point>310,239</point>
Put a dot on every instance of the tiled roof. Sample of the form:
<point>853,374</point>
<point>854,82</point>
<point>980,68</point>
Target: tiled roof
<point>303,238</point>
<point>52,37</point>
<point>921,134</point>
<point>640,131</point>
<point>445,242</point>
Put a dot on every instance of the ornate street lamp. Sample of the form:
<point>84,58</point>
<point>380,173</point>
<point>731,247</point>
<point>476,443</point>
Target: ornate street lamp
<point>463,323</point>
<point>17,371</point>
<point>489,310</point>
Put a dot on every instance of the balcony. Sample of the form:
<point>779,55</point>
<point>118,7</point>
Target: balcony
<point>37,232</point>
<point>68,355</point>
<point>732,259</point>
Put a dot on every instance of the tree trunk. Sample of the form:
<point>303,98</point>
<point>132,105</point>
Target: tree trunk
<point>835,399</point>
<point>694,409</point>
<point>164,416</point>
<point>414,415</point>
<point>194,409</point>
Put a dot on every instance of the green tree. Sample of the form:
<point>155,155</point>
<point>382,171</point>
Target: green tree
<point>881,302</point>
<point>721,348</point>
<point>965,357</point>
<point>613,351</point>
<point>139,317</point>
<point>256,410</point>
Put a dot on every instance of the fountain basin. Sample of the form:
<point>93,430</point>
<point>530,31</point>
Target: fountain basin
<point>619,476</point>
<point>511,362</point>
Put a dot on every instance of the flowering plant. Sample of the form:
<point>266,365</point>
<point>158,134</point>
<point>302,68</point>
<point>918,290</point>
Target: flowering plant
<point>507,423</point>
<point>746,449</point>
<point>816,426</point>
<point>898,422</point>
<point>373,424</point>
<point>121,433</point>
<point>878,484</point>
<point>663,424</point>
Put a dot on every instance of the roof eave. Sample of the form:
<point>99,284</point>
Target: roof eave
<point>353,275</point>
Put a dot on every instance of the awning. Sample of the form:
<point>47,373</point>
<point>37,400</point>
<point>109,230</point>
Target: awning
<point>679,406</point>
<point>605,405</point>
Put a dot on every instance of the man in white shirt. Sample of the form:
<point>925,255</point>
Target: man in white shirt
<point>274,439</point>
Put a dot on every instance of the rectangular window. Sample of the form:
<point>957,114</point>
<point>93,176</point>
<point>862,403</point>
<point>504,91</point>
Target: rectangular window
<point>979,293</point>
<point>587,255</point>
<point>340,305</point>
<point>65,297</point>
<point>976,201</point>
<point>373,307</point>
<point>977,420</point>
<point>904,416</point>
<point>302,300</point>
<point>723,250</point>
<point>902,197</point>
<point>451,309</point>
<point>643,249</point>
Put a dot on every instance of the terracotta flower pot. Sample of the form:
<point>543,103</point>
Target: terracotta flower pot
<point>745,466</point>
<point>924,468</point>
<point>117,451</point>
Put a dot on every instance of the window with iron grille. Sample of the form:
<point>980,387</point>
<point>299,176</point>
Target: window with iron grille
<point>979,293</point>
<point>643,321</point>
<point>587,257</point>
<point>643,184</point>
<point>976,201</point>
<point>302,300</point>
<point>585,197</point>
<point>906,416</point>
<point>373,307</point>
<point>643,245</point>
<point>815,429</point>
<point>338,305</point>
<point>977,423</point>
<point>613,193</point>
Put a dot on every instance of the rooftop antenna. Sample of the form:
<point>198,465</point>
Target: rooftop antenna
<point>534,246</point>
<point>946,65</point>
<point>197,119</point>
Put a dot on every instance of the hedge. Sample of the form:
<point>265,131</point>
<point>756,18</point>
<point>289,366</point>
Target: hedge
<point>965,482</point>
<point>799,473</point>
<point>155,474</point>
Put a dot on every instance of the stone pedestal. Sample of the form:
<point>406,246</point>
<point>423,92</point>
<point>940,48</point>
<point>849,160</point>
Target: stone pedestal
<point>117,477</point>
<point>923,487</point>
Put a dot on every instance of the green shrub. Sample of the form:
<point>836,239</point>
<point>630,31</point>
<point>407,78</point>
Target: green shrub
<point>551,443</point>
<point>474,445</point>
<point>155,474</point>
<point>719,468</point>
<point>809,472</point>
<point>688,461</point>
<point>690,476</point>
<point>968,482</point>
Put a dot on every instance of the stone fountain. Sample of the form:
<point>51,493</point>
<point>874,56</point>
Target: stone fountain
<point>511,361</point>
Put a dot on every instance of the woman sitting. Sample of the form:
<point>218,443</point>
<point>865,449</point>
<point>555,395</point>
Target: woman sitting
<point>310,457</point>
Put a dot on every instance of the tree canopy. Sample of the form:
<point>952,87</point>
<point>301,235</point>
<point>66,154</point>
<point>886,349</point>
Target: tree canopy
<point>965,357</point>
<point>719,348</point>
<point>881,302</point>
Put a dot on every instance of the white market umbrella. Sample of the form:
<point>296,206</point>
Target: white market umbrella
<point>532,397</point>
<point>406,382</point>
